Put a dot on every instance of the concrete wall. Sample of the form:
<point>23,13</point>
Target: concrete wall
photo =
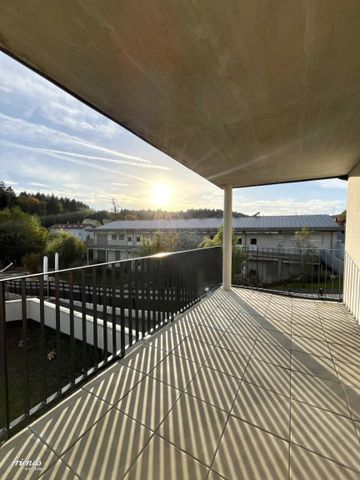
<point>13,313</point>
<point>326,240</point>
<point>352,245</point>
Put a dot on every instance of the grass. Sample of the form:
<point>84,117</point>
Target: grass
<point>35,362</point>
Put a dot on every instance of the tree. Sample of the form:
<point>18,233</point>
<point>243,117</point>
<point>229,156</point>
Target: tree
<point>30,204</point>
<point>7,196</point>
<point>160,242</point>
<point>20,234</point>
<point>303,238</point>
<point>239,256</point>
<point>71,249</point>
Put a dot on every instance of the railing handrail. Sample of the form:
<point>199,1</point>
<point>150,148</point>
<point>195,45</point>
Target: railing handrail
<point>104,264</point>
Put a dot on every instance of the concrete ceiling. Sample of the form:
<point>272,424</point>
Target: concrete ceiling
<point>243,92</point>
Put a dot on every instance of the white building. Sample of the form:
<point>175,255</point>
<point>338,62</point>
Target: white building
<point>122,239</point>
<point>79,230</point>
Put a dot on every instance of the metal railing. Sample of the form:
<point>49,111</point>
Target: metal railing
<point>58,330</point>
<point>352,286</point>
<point>294,271</point>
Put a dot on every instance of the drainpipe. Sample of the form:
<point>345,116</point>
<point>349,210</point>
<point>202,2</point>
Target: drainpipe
<point>227,238</point>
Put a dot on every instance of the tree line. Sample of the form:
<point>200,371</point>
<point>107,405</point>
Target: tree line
<point>38,203</point>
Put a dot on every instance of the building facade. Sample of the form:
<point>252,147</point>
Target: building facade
<point>122,239</point>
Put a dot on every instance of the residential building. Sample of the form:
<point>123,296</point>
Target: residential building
<point>79,230</point>
<point>122,239</point>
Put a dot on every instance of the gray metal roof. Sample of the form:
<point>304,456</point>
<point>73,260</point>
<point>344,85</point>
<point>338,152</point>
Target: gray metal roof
<point>275,223</point>
<point>286,222</point>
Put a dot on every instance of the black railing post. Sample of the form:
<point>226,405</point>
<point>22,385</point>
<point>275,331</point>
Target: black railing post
<point>25,348</point>
<point>42,338</point>
<point>58,334</point>
<point>4,390</point>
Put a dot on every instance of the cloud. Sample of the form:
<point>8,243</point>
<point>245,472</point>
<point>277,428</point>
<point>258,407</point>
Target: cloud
<point>50,102</point>
<point>84,156</point>
<point>332,183</point>
<point>288,206</point>
<point>36,184</point>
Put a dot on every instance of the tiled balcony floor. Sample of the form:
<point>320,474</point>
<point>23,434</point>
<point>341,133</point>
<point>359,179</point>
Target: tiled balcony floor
<point>245,385</point>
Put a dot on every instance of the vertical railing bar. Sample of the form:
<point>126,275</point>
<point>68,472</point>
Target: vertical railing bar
<point>113,308</point>
<point>25,348</point>
<point>71,320</point>
<point>95,316</point>
<point>84,323</point>
<point>58,338</point>
<point>130,303</point>
<point>122,308</point>
<point>105,315</point>
<point>143,301</point>
<point>42,338</point>
<point>135,300</point>
<point>4,392</point>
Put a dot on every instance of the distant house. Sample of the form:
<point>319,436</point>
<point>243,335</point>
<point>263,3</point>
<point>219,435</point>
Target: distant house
<point>122,239</point>
<point>79,230</point>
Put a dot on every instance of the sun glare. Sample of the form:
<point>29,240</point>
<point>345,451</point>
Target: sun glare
<point>161,194</point>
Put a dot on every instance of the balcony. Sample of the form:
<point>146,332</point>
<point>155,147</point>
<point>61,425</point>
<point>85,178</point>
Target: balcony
<point>244,384</point>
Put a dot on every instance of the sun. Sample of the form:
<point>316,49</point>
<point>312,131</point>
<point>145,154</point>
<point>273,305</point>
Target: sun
<point>161,194</point>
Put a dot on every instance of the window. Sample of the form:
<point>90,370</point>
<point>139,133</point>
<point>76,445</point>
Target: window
<point>239,241</point>
<point>117,255</point>
<point>113,237</point>
<point>253,241</point>
<point>129,239</point>
<point>138,239</point>
<point>121,237</point>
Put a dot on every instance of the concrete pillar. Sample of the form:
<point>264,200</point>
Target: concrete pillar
<point>227,238</point>
<point>352,244</point>
<point>56,261</point>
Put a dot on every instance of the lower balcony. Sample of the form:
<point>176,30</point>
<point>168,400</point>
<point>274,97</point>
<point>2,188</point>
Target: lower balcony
<point>243,385</point>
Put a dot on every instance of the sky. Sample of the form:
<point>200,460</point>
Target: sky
<point>52,143</point>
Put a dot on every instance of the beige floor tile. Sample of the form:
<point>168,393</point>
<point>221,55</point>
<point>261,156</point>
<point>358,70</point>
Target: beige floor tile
<point>113,384</point>
<point>247,452</point>
<point>353,397</point>
<point>183,326</point>
<point>317,366</point>
<point>237,343</point>
<point>227,361</point>
<point>271,353</point>
<point>162,461</point>
<point>27,447</point>
<point>215,476</point>
<point>59,471</point>
<point>207,334</point>
<point>149,402</point>
<point>348,373</point>
<point>309,465</point>
<point>344,338</point>
<point>175,371</point>
<point>195,427</point>
<point>193,350</point>
<point>166,340</point>
<point>325,433</point>
<point>263,408</point>
<point>249,329</point>
<point>345,354</point>
<point>214,387</point>
<point>310,346</point>
<point>62,426</point>
<point>280,339</point>
<point>144,359</point>
<point>309,331</point>
<point>319,392</point>
<point>108,450</point>
<point>272,377</point>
